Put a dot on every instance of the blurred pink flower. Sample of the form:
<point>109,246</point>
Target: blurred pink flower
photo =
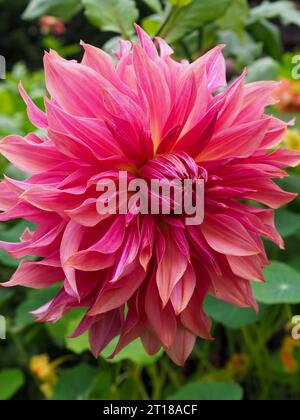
<point>145,276</point>
<point>52,25</point>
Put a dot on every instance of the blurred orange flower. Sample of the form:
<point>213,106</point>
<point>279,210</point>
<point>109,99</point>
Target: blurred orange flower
<point>238,364</point>
<point>287,358</point>
<point>288,95</point>
<point>45,372</point>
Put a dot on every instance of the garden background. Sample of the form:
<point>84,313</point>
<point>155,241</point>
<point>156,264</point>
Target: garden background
<point>253,356</point>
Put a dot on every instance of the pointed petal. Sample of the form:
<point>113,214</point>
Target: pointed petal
<point>215,64</point>
<point>26,155</point>
<point>153,90</point>
<point>249,268</point>
<point>162,320</point>
<point>104,331</point>
<point>237,141</point>
<point>227,236</point>
<point>164,48</point>
<point>36,116</point>
<point>182,346</point>
<point>36,275</point>
<point>70,243</point>
<point>146,42</point>
<point>171,268</point>
<point>183,291</point>
<point>75,87</point>
<point>117,294</point>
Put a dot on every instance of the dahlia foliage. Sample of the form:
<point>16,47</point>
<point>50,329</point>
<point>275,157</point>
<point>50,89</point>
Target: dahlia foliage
<point>145,276</point>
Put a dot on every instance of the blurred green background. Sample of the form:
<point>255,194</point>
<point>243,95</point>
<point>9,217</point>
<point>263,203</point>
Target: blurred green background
<point>253,356</point>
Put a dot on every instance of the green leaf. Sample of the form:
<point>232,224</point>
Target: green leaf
<point>245,50</point>
<point>11,380</point>
<point>263,69</point>
<point>292,183</point>
<point>269,35</point>
<point>13,234</point>
<point>64,9</point>
<point>19,175</point>
<point>57,331</point>
<point>102,384</point>
<point>151,24</point>
<point>134,352</point>
<point>154,5</point>
<point>294,263</point>
<point>79,344</point>
<point>209,391</point>
<point>34,300</point>
<point>286,11</point>
<point>9,125</point>
<point>194,16</point>
<point>236,17</point>
<point>62,329</point>
<point>180,3</point>
<point>287,222</point>
<point>76,383</point>
<point>5,294</point>
<point>7,260</point>
<point>112,15</point>
<point>282,285</point>
<point>231,316</point>
<point>52,43</point>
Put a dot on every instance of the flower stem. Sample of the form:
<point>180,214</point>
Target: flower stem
<point>137,376</point>
<point>157,380</point>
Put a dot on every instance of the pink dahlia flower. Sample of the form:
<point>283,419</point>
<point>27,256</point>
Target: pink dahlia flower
<point>145,276</point>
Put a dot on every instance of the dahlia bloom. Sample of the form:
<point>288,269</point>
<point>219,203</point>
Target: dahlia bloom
<point>145,276</point>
